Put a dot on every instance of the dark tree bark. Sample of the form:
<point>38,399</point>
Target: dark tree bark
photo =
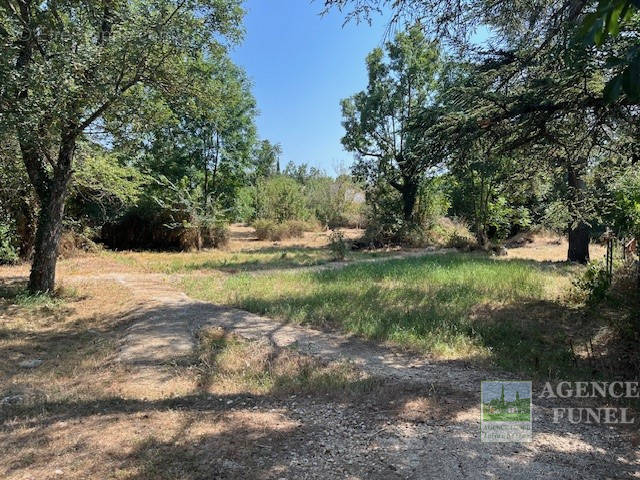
<point>409,193</point>
<point>52,192</point>
<point>579,232</point>
<point>579,238</point>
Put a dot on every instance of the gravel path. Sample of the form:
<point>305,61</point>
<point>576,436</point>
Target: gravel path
<point>444,445</point>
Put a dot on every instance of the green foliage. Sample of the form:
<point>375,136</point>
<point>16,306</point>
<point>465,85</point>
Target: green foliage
<point>103,188</point>
<point>379,121</point>
<point>593,283</point>
<point>335,202</point>
<point>338,245</point>
<point>625,215</point>
<point>8,252</point>
<point>432,202</point>
<point>386,225</point>
<point>245,204</point>
<point>607,21</point>
<point>280,198</point>
<point>266,160</point>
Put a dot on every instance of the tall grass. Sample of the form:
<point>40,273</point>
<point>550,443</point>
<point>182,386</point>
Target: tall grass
<point>429,303</point>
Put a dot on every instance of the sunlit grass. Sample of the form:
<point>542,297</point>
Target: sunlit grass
<point>233,262</point>
<point>429,303</point>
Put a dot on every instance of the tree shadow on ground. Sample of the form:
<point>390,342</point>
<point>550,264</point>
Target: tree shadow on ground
<point>401,430</point>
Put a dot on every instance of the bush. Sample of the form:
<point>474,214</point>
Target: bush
<point>270,230</point>
<point>264,228</point>
<point>280,199</point>
<point>338,245</point>
<point>215,235</point>
<point>335,203</point>
<point>76,243</point>
<point>245,205</point>
<point>8,253</point>
<point>593,283</point>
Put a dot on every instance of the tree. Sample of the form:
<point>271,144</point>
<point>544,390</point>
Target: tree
<point>267,159</point>
<point>66,65</point>
<point>379,121</point>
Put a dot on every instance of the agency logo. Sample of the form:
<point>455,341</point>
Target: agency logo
<point>506,411</point>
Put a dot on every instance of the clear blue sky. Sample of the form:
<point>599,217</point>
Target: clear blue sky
<point>301,65</point>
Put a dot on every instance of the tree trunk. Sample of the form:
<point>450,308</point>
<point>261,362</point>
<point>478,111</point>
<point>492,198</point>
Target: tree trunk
<point>43,269</point>
<point>45,256</point>
<point>409,195</point>
<point>579,237</point>
<point>579,232</point>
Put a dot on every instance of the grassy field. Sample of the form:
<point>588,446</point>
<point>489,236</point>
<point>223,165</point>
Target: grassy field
<point>270,258</point>
<point>452,306</point>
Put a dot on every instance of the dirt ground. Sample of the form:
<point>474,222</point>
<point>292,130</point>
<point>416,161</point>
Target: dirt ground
<point>546,247</point>
<point>243,237</point>
<point>119,394</point>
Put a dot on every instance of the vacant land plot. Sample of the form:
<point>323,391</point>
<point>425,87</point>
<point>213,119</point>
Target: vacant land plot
<point>442,304</point>
<point>237,408</point>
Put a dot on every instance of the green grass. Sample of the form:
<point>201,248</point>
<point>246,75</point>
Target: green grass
<point>233,262</point>
<point>18,295</point>
<point>506,417</point>
<point>433,304</point>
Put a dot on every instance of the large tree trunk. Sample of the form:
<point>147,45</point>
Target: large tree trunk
<point>45,255</point>
<point>579,232</point>
<point>409,194</point>
<point>579,238</point>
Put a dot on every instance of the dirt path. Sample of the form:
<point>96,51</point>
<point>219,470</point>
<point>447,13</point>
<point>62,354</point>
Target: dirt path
<point>441,444</point>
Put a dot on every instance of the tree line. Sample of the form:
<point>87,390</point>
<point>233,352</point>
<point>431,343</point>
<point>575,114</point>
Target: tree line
<point>538,123</point>
<point>131,116</point>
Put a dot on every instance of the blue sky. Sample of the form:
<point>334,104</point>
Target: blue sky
<point>301,65</point>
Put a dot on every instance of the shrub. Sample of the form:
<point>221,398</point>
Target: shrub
<point>270,230</point>
<point>264,228</point>
<point>335,203</point>
<point>593,283</point>
<point>245,205</point>
<point>8,253</point>
<point>215,235</point>
<point>461,240</point>
<point>338,245</point>
<point>76,243</point>
<point>296,228</point>
<point>280,199</point>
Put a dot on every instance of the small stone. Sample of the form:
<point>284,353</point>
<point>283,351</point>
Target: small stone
<point>33,363</point>
<point>58,472</point>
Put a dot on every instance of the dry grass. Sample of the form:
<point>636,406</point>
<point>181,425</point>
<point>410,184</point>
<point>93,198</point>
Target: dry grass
<point>545,246</point>
<point>243,238</point>
<point>82,415</point>
<point>230,365</point>
<point>73,335</point>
